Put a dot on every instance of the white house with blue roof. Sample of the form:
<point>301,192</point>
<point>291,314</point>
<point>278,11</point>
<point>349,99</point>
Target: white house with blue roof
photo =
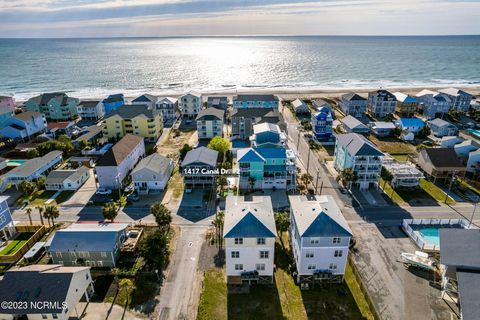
<point>320,237</point>
<point>90,244</point>
<point>7,228</point>
<point>413,125</point>
<point>249,232</point>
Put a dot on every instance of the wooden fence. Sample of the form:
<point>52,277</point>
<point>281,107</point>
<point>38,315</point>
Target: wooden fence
<point>13,258</point>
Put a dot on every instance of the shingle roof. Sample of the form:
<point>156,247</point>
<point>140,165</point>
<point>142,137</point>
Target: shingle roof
<point>154,162</point>
<point>116,154</point>
<point>37,283</point>
<point>255,97</point>
<point>358,145</point>
<point>114,98</point>
<point>59,176</point>
<point>454,92</point>
<point>131,111</point>
<point>256,112</point>
<point>266,127</point>
<point>383,125</point>
<point>440,122</point>
<point>31,166</point>
<point>443,157</point>
<point>45,98</point>
<point>249,155</point>
<point>318,216</point>
<point>28,115</point>
<point>201,155</point>
<point>460,248</point>
<point>210,114</point>
<point>353,96</point>
<point>89,103</point>
<point>90,132</point>
<point>145,98</point>
<point>353,123</point>
<point>382,93</point>
<point>469,294</point>
<point>59,125</point>
<point>249,217</point>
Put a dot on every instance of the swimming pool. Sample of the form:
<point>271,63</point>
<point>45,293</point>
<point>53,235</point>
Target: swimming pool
<point>15,162</point>
<point>431,235</point>
<point>473,132</point>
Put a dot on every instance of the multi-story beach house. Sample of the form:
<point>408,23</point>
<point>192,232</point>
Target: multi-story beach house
<point>249,232</point>
<point>354,151</point>
<point>441,128</point>
<point>406,106</point>
<point>24,125</point>
<point>243,120</point>
<point>268,135</point>
<point>381,103</point>
<point>190,105</point>
<point>255,101</point>
<point>460,99</point>
<point>146,99</point>
<point>199,168</point>
<point>413,125</point>
<point>322,122</point>
<point>138,120</point>
<point>320,237</point>
<point>353,104</point>
<point>440,163</point>
<point>463,148</point>
<point>381,128</point>
<point>434,104</point>
<point>115,165</point>
<point>151,174</point>
<point>405,174</point>
<point>56,106</point>
<point>7,227</point>
<point>300,107</point>
<point>168,107</point>
<point>210,123</point>
<point>113,102</point>
<point>473,162</point>
<point>7,109</point>
<point>91,110</point>
<point>217,102</point>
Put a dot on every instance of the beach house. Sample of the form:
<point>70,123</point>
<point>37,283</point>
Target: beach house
<point>460,99</point>
<point>320,103</point>
<point>113,102</point>
<point>350,124</point>
<point>413,125</point>
<point>433,104</point>
<point>381,103</point>
<point>381,128</point>
<point>56,106</point>
<point>300,107</point>
<point>24,125</point>
<point>473,162</point>
<point>168,107</point>
<point>199,168</point>
<point>464,148</point>
<point>249,232</point>
<point>114,166</point>
<point>210,123</point>
<point>190,105</point>
<point>320,238</point>
<point>91,110</point>
<point>243,120</point>
<point>49,291</point>
<point>146,99</point>
<point>322,123</point>
<point>133,119</point>
<point>243,101</point>
<point>406,106</point>
<point>441,128</point>
<point>7,228</point>
<point>440,163</point>
<point>7,109</point>
<point>217,102</point>
<point>267,135</point>
<point>67,179</point>
<point>90,244</point>
<point>61,128</point>
<point>353,104</point>
<point>354,151</point>
<point>450,141</point>
<point>405,174</point>
<point>90,134</point>
<point>151,174</point>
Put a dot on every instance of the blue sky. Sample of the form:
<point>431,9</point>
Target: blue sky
<point>129,18</point>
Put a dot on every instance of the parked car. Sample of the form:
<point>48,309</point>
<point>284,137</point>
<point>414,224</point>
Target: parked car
<point>133,197</point>
<point>129,188</point>
<point>103,191</point>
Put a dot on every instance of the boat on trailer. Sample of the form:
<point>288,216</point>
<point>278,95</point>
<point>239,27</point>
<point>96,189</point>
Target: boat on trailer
<point>418,259</point>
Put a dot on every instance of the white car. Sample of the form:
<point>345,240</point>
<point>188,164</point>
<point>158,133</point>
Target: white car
<point>103,191</point>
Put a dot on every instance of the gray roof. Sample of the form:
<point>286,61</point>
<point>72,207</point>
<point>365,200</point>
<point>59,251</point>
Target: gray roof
<point>255,97</point>
<point>154,162</point>
<point>210,114</point>
<point>353,123</point>
<point>266,127</point>
<point>89,103</point>
<point>90,132</point>
<point>358,145</point>
<point>383,93</point>
<point>131,111</point>
<point>45,98</point>
<point>469,294</point>
<point>256,112</point>
<point>31,166</point>
<point>59,176</point>
<point>28,115</point>
<point>353,96</point>
<point>460,248</point>
<point>297,103</point>
<point>249,217</point>
<point>318,216</point>
<point>454,92</point>
<point>116,154</point>
<point>146,96</point>
<point>442,157</point>
<point>37,283</point>
<point>383,125</point>
<point>440,122</point>
<point>201,155</point>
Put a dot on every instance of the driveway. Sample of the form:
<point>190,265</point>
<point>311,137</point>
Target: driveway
<point>104,311</point>
<point>83,195</point>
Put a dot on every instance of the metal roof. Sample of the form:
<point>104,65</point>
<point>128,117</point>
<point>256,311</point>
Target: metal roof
<point>469,294</point>
<point>402,97</point>
<point>460,248</point>
<point>358,145</point>
<point>154,162</point>
<point>201,155</point>
<point>353,123</point>
<point>255,97</point>
<point>210,114</point>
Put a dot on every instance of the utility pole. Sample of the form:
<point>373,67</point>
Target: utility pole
<point>316,182</point>
<point>450,187</point>
<point>308,160</point>
<point>473,213</point>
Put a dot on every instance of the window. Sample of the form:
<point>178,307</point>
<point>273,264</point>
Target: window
<point>312,267</point>
<point>260,266</point>
<point>239,266</point>
<point>333,266</point>
<point>235,254</point>
<point>309,254</point>
<point>264,254</point>
<point>238,240</point>
<point>260,241</point>
<point>338,253</point>
<point>314,241</point>
<point>336,239</point>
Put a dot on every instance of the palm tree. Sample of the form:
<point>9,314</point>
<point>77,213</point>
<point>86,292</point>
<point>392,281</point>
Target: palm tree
<point>110,211</point>
<point>52,213</point>
<point>40,212</point>
<point>282,222</point>
<point>162,215</point>
<point>29,213</point>
<point>127,285</point>
<point>222,182</point>
<point>306,179</point>
<point>347,177</point>
<point>251,181</point>
<point>218,223</point>
<point>387,176</point>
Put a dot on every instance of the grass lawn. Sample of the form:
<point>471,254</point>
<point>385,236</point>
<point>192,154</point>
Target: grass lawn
<point>393,146</point>
<point>15,245</point>
<point>284,300</point>
<point>145,289</point>
<point>176,184</point>
<point>36,199</point>
<point>427,192</point>
<point>465,184</point>
<point>400,157</point>
<point>435,191</point>
<point>64,196</point>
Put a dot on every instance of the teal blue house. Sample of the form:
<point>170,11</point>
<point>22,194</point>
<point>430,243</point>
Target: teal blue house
<point>57,106</point>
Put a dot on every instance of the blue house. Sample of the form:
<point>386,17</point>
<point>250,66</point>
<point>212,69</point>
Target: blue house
<point>267,135</point>
<point>113,102</point>
<point>322,122</point>
<point>96,245</point>
<point>413,125</point>
<point>7,229</point>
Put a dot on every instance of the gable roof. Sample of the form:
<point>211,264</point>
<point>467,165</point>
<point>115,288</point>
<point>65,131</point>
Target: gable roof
<point>402,97</point>
<point>353,123</point>
<point>249,155</point>
<point>353,96</point>
<point>266,127</point>
<point>131,111</point>
<point>30,166</point>
<point>59,176</point>
<point>60,125</point>
<point>145,98</point>
<point>411,122</point>
<point>201,155</point>
<point>442,157</point>
<point>471,144</point>
<point>89,103</point>
<point>249,217</point>
<point>440,122</point>
<point>154,162</point>
<point>298,103</point>
<point>469,295</point>
<point>383,125</point>
<point>382,93</point>
<point>272,153</point>
<point>116,154</point>
<point>318,216</point>
<point>210,114</point>
<point>455,92</point>
<point>255,97</point>
<point>28,115</point>
<point>256,112</point>
<point>114,98</point>
<point>460,248</point>
<point>358,145</point>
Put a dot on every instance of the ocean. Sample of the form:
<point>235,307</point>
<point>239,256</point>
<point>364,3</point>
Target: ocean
<point>96,67</point>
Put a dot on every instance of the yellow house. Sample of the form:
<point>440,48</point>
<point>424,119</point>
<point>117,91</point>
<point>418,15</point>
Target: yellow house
<point>134,119</point>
